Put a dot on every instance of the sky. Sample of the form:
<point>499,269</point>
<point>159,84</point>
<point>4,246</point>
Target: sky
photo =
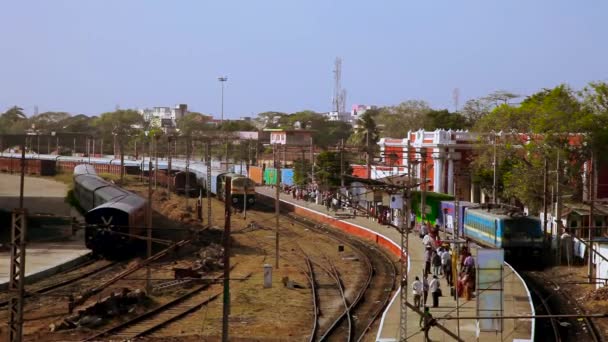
<point>91,56</point>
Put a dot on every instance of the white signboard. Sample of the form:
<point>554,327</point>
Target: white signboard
<point>490,288</point>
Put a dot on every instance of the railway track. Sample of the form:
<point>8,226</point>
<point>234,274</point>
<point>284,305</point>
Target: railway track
<point>554,298</point>
<point>541,298</point>
<point>159,317</point>
<point>371,299</point>
<point>64,278</point>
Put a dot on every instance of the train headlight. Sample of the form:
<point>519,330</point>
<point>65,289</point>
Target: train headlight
<point>250,200</point>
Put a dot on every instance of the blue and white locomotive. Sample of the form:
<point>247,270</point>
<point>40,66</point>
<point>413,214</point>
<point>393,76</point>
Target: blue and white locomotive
<point>497,227</point>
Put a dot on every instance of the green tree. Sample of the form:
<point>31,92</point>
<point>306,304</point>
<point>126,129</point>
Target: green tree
<point>49,121</point>
<point>442,119</point>
<point>122,124</point>
<point>194,124</point>
<point>396,121</point>
<point>327,170</point>
<point>13,121</point>
<point>238,125</point>
<point>301,172</point>
<point>269,119</point>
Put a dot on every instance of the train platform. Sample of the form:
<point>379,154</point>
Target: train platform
<point>517,299</point>
<point>45,259</point>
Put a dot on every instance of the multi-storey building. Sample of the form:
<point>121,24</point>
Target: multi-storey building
<point>164,116</point>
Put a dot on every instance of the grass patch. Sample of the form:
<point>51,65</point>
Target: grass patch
<point>129,179</point>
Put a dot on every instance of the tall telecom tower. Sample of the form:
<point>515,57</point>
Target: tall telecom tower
<point>339,99</point>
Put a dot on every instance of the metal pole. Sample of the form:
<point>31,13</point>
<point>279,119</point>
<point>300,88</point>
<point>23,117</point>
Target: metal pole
<point>342,163</point>
<point>312,162</point>
<point>149,224</point>
<point>17,266</point>
<point>169,160</point>
<point>368,160</point>
<point>494,167</point>
<point>208,161</point>
<point>276,210</point>
<point>591,219</point>
<point>121,145</point>
<point>187,187</point>
<point>558,214</point>
<point>423,186</point>
<point>156,161</point>
<point>226,306</point>
<point>405,249</point>
<point>545,185</point>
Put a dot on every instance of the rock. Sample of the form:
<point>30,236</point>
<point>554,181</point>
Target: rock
<point>90,321</point>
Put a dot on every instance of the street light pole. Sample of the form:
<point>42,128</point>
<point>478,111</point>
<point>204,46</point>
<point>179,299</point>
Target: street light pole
<point>222,79</point>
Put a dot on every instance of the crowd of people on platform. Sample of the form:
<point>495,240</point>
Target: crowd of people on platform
<point>439,259</point>
<point>438,263</point>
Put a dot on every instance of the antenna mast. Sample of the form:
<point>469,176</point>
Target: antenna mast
<point>339,99</point>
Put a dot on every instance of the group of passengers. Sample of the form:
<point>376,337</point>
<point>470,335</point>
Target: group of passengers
<point>438,263</point>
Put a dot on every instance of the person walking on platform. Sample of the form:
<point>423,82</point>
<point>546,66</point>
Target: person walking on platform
<point>426,322</point>
<point>446,258</point>
<point>435,289</point>
<point>417,290</point>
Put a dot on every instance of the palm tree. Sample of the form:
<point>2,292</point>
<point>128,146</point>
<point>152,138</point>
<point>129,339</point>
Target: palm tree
<point>367,134</point>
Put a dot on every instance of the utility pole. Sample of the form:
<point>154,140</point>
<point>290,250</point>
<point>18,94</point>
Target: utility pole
<point>187,187</point>
<point>591,219</point>
<point>208,161</point>
<point>226,306</point>
<point>367,156</point>
<point>156,161</point>
<point>169,161</point>
<point>342,163</point>
<point>16,287</point>
<point>405,230</point>
<point>494,168</point>
<point>545,185</point>
<point>222,80</point>
<point>149,223</point>
<point>122,159</point>
<point>558,211</point>
<point>312,162</point>
<point>423,185</point>
<point>276,210</point>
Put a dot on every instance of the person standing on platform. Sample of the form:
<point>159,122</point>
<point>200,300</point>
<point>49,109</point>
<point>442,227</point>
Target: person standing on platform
<point>428,254</point>
<point>425,289</point>
<point>435,289</point>
<point>412,220</point>
<point>417,290</point>
<point>423,230</point>
<point>436,262</point>
<point>446,258</point>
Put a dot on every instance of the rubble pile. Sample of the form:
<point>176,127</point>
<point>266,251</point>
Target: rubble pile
<point>94,315</point>
<point>599,294</point>
<point>210,258</point>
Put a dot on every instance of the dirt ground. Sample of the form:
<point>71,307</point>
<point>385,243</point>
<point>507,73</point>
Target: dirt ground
<point>573,280</point>
<point>257,313</point>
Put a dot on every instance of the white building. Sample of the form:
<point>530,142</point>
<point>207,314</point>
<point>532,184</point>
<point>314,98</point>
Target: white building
<point>358,110</point>
<point>164,116</point>
<point>338,116</point>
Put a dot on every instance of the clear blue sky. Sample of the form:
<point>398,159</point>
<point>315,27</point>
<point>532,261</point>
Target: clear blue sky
<point>88,56</point>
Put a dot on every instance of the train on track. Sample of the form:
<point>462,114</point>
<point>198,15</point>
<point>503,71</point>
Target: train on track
<point>114,216</point>
<point>520,236</point>
<point>242,191</point>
